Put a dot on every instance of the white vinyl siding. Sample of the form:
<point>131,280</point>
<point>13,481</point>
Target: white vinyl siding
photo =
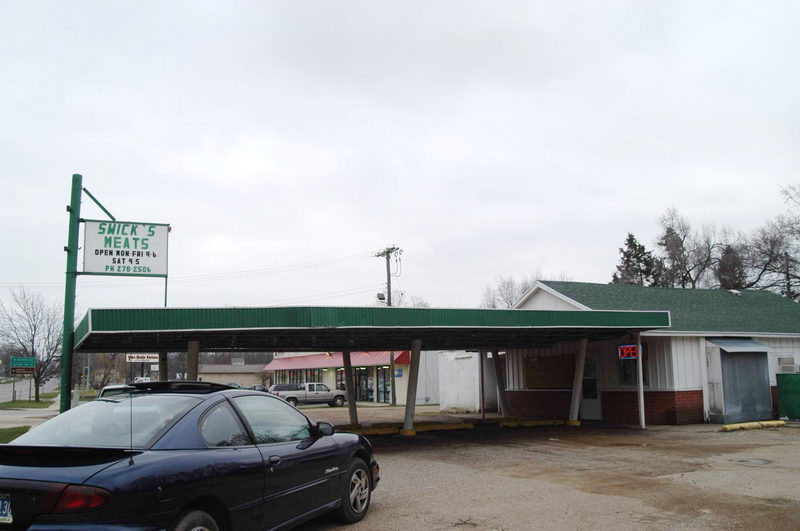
<point>782,347</point>
<point>541,300</point>
<point>686,361</point>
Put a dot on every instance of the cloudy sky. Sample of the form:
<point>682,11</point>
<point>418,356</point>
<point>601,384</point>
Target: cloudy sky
<point>286,142</point>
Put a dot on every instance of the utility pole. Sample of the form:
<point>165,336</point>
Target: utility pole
<point>787,272</point>
<point>387,253</point>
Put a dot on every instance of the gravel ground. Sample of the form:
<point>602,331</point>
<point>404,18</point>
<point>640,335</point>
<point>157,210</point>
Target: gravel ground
<point>687,477</point>
<point>666,477</point>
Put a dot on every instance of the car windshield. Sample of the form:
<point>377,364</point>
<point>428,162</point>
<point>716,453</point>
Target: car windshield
<point>107,422</point>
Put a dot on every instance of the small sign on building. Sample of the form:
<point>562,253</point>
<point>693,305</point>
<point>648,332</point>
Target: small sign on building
<point>628,352</point>
<point>141,358</point>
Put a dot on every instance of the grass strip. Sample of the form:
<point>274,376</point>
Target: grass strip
<point>26,404</point>
<point>9,434</point>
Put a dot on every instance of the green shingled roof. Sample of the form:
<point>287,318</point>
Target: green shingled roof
<point>702,310</point>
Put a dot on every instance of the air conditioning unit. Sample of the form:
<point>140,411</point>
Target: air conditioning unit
<point>788,368</point>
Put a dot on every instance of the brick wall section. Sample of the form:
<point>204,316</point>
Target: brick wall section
<point>660,407</point>
<point>549,405</point>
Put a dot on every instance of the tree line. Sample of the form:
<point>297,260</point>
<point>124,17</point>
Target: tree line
<point>711,257</point>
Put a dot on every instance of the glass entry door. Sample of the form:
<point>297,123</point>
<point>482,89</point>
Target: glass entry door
<point>590,399</point>
<point>384,384</point>
<point>364,384</point>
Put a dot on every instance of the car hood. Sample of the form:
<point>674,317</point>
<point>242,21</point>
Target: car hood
<point>58,464</point>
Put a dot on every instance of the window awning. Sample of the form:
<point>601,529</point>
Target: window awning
<point>334,359</point>
<point>740,345</point>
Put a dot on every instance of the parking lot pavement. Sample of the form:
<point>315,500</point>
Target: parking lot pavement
<point>670,477</point>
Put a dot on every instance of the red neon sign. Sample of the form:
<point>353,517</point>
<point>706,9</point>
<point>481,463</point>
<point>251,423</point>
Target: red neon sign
<point>628,352</point>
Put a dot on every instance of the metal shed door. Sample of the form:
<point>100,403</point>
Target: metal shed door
<point>745,383</point>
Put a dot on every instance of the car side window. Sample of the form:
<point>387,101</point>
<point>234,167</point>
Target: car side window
<point>272,420</point>
<point>221,427</point>
<point>322,387</point>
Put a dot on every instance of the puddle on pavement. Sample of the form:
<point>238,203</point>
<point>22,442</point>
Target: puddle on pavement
<point>751,462</point>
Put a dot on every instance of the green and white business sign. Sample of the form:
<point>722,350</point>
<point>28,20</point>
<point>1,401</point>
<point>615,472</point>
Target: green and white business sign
<point>125,248</point>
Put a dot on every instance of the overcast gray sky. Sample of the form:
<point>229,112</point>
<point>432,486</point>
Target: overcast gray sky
<point>483,138</point>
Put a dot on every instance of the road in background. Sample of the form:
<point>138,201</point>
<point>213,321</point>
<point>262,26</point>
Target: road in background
<point>22,387</point>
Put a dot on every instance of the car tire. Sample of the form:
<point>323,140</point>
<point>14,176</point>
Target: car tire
<point>356,493</point>
<point>292,400</point>
<point>195,520</point>
<point>338,401</point>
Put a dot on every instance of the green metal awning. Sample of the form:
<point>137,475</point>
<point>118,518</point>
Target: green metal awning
<point>346,328</point>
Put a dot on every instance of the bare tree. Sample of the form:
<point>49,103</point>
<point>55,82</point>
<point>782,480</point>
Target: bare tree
<point>689,256</point>
<point>507,291</point>
<point>110,368</point>
<point>33,327</point>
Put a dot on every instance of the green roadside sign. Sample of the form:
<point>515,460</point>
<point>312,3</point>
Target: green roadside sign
<point>23,361</point>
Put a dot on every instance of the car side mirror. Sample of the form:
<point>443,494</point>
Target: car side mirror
<point>324,428</point>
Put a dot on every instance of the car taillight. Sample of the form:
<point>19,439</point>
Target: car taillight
<point>77,498</point>
<point>277,393</point>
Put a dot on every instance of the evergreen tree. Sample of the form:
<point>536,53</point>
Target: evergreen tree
<point>637,266</point>
<point>730,269</point>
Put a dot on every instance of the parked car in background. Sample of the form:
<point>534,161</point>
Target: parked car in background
<point>183,456</point>
<point>259,387</point>
<point>308,393</point>
<point>111,390</point>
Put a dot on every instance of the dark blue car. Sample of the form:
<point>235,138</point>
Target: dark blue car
<point>183,456</point>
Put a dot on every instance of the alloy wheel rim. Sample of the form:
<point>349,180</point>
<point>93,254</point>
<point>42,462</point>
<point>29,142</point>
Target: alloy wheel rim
<point>359,491</point>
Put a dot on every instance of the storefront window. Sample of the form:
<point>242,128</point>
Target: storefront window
<point>340,379</point>
<point>384,384</point>
<point>626,369</point>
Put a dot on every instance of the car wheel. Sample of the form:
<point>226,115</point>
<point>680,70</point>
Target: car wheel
<point>292,400</point>
<point>356,493</point>
<point>338,401</point>
<point>195,520</point>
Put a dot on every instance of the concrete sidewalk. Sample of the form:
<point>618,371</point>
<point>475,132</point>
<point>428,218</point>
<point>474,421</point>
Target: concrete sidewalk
<point>10,418</point>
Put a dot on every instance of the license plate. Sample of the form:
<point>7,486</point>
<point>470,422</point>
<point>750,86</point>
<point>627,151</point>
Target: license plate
<point>5,509</point>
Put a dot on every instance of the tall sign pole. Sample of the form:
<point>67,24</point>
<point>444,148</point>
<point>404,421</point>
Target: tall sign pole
<point>68,340</point>
<point>111,248</point>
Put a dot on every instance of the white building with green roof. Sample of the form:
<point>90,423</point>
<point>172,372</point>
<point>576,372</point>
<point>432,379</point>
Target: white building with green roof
<point>716,362</point>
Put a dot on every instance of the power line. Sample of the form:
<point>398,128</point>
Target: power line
<point>208,277</point>
<point>323,296</point>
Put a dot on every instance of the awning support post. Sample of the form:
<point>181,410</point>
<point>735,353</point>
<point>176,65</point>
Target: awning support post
<point>481,391</point>
<point>411,393</point>
<point>192,360</point>
<point>350,388</point>
<point>163,369</point>
<point>501,383</point>
<point>391,379</point>
<point>577,382</point>
<point>640,379</point>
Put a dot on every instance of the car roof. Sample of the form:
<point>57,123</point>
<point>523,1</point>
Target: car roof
<point>181,386</point>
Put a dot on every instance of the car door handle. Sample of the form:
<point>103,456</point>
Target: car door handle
<point>274,460</point>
